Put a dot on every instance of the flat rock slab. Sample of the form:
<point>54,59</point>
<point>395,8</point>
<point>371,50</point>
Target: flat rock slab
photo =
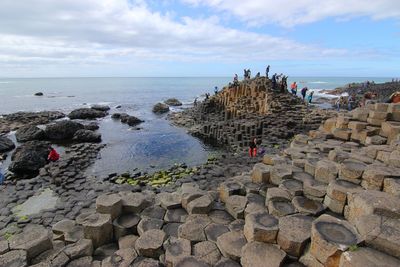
<point>330,237</point>
<point>258,254</point>
<point>150,243</point>
<point>294,233</point>
<point>35,204</point>
<point>34,240</point>
<point>260,226</point>
<point>230,244</point>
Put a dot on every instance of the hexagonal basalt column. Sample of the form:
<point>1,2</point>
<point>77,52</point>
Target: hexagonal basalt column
<point>227,189</point>
<point>257,254</point>
<point>280,208</point>
<point>236,205</point>
<point>295,187</point>
<point>280,173</point>
<point>351,170</point>
<point>201,205</point>
<point>176,249</point>
<point>294,233</point>
<point>308,206</point>
<point>109,204</point>
<point>261,173</point>
<point>230,244</point>
<point>330,237</point>
<point>150,243</point>
<point>98,228</point>
<point>133,202</point>
<point>260,226</point>
<point>125,225</point>
<point>326,171</point>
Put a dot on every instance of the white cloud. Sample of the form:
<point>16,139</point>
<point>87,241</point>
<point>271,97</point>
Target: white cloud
<point>293,12</point>
<point>75,32</point>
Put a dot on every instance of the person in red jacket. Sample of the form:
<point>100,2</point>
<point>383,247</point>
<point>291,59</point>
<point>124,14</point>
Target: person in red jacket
<point>53,155</point>
<point>253,148</point>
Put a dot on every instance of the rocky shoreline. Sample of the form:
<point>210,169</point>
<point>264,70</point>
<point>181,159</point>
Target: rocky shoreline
<point>328,196</point>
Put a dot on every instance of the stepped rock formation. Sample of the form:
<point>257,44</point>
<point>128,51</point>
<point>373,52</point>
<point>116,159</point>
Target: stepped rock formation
<point>330,199</point>
<point>252,109</point>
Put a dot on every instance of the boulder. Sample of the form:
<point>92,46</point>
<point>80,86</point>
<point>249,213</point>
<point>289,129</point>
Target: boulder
<point>150,243</point>
<point>38,94</point>
<point>29,157</point>
<point>173,102</point>
<point>260,226</point>
<point>62,130</point>
<point>330,237</point>
<point>109,204</point>
<point>133,121</point>
<point>160,108</point>
<point>87,136</point>
<point>29,133</point>
<point>294,233</point>
<point>367,257</point>
<point>230,244</point>
<point>98,228</point>
<point>100,107</point>
<point>6,144</point>
<point>34,240</point>
<point>93,126</point>
<point>86,114</point>
<point>258,254</point>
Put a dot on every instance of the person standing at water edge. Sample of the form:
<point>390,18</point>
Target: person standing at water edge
<point>253,148</point>
<point>304,92</point>
<point>310,97</point>
<point>293,88</point>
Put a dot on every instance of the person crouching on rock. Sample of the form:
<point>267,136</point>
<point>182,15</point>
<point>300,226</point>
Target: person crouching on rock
<point>53,155</point>
<point>253,148</point>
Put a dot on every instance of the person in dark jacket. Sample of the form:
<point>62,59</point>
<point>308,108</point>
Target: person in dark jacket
<point>304,92</point>
<point>253,148</point>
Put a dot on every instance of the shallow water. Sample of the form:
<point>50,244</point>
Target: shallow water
<point>158,143</point>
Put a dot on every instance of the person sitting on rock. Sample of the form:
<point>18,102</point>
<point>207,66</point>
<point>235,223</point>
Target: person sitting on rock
<point>253,148</point>
<point>304,92</point>
<point>53,155</point>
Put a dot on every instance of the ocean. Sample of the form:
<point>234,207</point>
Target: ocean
<point>158,144</point>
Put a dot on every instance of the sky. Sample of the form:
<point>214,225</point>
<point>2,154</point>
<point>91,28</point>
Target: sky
<point>174,38</point>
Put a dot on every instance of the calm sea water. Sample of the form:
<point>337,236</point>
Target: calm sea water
<point>157,143</point>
